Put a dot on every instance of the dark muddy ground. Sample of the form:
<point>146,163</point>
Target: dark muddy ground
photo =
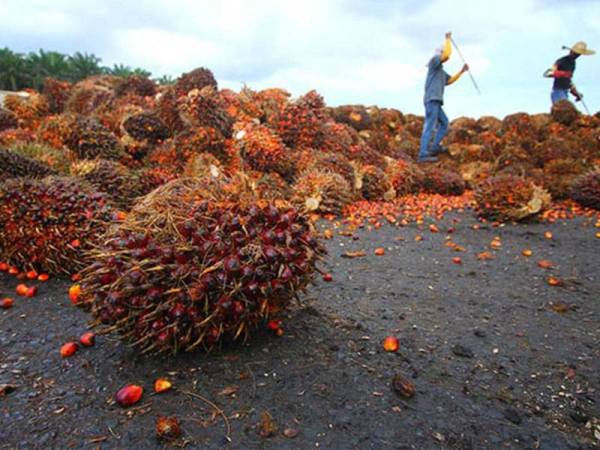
<point>494,363</point>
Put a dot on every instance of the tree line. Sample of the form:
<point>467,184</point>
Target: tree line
<point>21,71</point>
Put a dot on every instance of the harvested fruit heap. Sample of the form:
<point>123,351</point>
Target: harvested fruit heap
<point>49,224</point>
<point>197,263</point>
<point>126,136</point>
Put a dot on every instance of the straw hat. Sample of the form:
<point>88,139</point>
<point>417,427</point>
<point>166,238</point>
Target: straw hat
<point>581,49</point>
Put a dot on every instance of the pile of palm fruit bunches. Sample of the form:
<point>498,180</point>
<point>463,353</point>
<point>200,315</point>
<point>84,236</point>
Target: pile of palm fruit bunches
<point>187,210</point>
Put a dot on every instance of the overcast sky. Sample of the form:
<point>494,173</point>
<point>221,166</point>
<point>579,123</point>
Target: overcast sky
<point>350,51</point>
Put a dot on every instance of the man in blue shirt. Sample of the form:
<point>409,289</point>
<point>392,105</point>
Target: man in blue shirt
<point>435,118</point>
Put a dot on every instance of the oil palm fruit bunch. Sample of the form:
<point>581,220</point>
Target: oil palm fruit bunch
<point>271,102</point>
<point>15,165</point>
<point>57,93</point>
<point>179,274</point>
<point>559,174</point>
<point>89,139</point>
<point>261,148</point>
<point>557,147</point>
<point>355,116</point>
<point>28,110</point>
<point>203,165</point>
<point>177,151</point>
<point>507,197</point>
<point>120,185</point>
<point>440,181</point>
<point>321,192</point>
<point>166,108</point>
<point>196,79</point>
<point>585,189</point>
<point>57,160</point>
<point>50,224</point>
<point>54,130</point>
<point>475,172</point>
<point>201,107</point>
<point>85,99</point>
<point>336,163</point>
<point>374,184</point>
<point>338,138</point>
<point>146,126</point>
<point>564,112</point>
<point>364,154</point>
<point>136,85</point>
<point>300,123</point>
<point>405,177</point>
<point>8,119</point>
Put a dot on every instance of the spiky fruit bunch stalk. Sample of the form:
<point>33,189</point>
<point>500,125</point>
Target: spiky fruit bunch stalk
<point>202,108</point>
<point>300,124</point>
<point>49,224</point>
<point>146,126</point>
<point>272,186</point>
<point>196,79</point>
<point>564,112</point>
<point>405,177</point>
<point>321,192</point>
<point>374,184</point>
<point>15,165</point>
<point>559,174</point>
<point>440,181</point>
<point>57,93</point>
<point>508,197</point>
<point>121,185</point>
<point>475,172</point>
<point>261,148</point>
<point>89,139</point>
<point>136,85</point>
<point>203,165</point>
<point>182,275</point>
<point>585,189</point>
<point>8,119</point>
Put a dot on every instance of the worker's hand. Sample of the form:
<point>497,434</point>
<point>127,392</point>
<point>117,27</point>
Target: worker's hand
<point>465,68</point>
<point>449,35</point>
<point>578,96</point>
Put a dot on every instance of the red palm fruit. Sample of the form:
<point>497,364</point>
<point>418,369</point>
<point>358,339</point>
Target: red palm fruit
<point>3,267</point>
<point>162,385</point>
<point>74,293</point>
<point>88,339</point>
<point>457,260</point>
<point>6,303</point>
<point>31,291</point>
<point>31,275</point>
<point>68,349</point>
<point>21,290</point>
<point>43,277</point>
<point>327,277</point>
<point>129,395</point>
<point>391,344</point>
<point>274,325</point>
<point>13,270</point>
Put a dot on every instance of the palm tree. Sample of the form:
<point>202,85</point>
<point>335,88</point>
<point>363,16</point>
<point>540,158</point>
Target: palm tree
<point>83,65</point>
<point>12,70</point>
<point>46,64</point>
<point>121,70</point>
<point>165,79</point>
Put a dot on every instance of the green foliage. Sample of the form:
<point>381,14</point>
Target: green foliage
<point>21,71</point>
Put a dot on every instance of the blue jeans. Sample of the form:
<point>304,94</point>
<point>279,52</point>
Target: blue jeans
<point>559,94</point>
<point>435,118</point>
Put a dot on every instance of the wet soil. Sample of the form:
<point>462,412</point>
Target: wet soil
<point>498,357</point>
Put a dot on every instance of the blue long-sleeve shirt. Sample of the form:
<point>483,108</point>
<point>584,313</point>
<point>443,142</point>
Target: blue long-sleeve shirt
<point>436,80</point>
